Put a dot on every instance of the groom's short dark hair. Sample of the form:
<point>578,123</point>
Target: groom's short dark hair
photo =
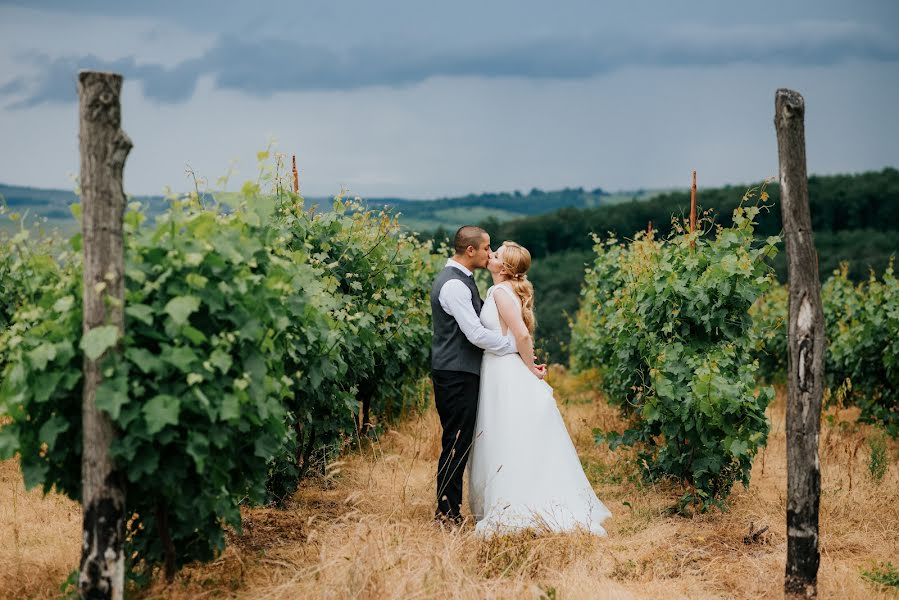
<point>468,235</point>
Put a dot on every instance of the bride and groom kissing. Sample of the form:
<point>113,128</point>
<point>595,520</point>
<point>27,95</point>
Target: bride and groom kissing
<point>496,412</point>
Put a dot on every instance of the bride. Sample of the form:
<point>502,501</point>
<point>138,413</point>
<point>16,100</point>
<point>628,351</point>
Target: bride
<point>524,470</point>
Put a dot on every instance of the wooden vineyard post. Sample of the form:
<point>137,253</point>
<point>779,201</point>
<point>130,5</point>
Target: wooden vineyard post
<point>104,148</point>
<point>296,176</point>
<point>805,361</point>
<point>693,209</point>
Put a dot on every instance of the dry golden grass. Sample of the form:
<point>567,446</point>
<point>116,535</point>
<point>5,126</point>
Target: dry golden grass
<point>366,530</point>
<point>39,537</point>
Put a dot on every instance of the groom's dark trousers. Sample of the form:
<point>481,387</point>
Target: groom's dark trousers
<point>455,368</point>
<point>456,396</point>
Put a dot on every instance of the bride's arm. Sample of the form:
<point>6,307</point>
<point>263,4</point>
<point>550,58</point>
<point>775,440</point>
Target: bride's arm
<point>511,316</point>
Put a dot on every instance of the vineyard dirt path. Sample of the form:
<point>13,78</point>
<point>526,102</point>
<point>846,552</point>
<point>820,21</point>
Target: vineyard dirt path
<point>366,529</point>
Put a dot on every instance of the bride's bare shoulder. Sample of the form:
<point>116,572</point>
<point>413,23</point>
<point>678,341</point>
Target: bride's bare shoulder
<point>505,287</point>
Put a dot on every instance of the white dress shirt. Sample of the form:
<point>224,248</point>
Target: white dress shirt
<point>455,300</point>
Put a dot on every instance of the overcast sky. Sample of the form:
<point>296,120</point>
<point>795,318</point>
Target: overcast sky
<point>411,98</point>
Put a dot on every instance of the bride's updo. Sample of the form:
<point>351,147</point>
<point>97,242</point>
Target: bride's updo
<point>516,262</point>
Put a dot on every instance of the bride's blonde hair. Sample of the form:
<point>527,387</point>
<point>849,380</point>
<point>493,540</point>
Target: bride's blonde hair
<point>516,262</point>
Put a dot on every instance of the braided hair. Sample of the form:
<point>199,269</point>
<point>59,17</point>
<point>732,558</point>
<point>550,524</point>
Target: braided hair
<point>516,262</point>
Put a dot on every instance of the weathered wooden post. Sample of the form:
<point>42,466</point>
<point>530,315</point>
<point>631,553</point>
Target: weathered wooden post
<point>104,148</point>
<point>805,362</point>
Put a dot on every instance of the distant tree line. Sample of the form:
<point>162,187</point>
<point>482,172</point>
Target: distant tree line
<point>838,203</point>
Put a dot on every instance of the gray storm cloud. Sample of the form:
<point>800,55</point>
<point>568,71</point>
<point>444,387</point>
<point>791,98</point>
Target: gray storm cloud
<point>264,67</point>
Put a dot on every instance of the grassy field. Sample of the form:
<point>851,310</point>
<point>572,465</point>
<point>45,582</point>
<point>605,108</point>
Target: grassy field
<point>619,197</point>
<point>366,529</point>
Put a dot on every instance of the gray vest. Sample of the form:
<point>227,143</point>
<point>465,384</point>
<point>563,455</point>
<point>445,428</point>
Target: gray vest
<point>450,349</point>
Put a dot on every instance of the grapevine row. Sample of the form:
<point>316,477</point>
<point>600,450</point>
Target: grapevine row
<point>862,355</point>
<point>258,336</point>
<point>667,324</point>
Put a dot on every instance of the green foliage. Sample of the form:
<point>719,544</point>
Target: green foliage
<point>554,306</point>
<point>878,457</point>
<point>884,574</point>
<point>862,324</point>
<point>25,265</point>
<point>601,280</point>
<point>68,589</point>
<point>668,326</point>
<point>769,335</point>
<point>252,333</point>
<point>196,394</point>
<point>377,279</point>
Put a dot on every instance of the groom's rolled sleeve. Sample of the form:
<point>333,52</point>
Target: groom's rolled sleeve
<point>455,299</point>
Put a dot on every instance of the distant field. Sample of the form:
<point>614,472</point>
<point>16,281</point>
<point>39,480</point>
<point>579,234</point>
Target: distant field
<point>619,197</point>
<point>453,218</point>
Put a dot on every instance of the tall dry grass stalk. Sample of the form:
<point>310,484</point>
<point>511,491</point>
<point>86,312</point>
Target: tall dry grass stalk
<point>365,530</point>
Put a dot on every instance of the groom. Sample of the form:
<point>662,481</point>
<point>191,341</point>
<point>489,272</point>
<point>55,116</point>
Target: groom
<point>456,350</point>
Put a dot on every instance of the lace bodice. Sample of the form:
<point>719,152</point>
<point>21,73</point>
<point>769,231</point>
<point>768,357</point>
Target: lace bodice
<point>490,313</point>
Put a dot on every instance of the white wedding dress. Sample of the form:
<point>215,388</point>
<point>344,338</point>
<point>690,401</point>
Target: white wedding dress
<point>524,471</point>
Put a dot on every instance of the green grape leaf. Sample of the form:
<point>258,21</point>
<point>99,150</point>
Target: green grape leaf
<point>34,472</point>
<point>145,360</point>
<point>265,447</point>
<point>51,429</point>
<point>45,384</point>
<point>41,355</point>
<point>64,304</point>
<point>98,340</point>
<point>9,441</point>
<point>144,464</point>
<point>181,357</point>
<point>198,448</point>
<point>141,312</point>
<point>738,448</point>
<point>181,307</point>
<point>111,397</point>
<point>160,411</point>
<point>230,408</point>
<point>193,334</point>
<point>221,360</point>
